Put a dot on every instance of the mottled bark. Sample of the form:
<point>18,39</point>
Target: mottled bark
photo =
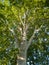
<point>21,58</point>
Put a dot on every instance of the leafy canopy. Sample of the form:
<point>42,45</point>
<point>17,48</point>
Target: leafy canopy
<point>11,14</point>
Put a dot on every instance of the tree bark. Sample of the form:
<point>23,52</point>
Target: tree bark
<point>21,59</point>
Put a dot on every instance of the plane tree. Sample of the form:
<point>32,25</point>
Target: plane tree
<point>20,24</point>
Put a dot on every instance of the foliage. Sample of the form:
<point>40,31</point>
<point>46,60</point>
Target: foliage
<point>11,14</point>
<point>39,53</point>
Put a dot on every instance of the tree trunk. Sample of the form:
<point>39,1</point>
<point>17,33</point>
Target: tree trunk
<point>21,58</point>
<point>22,49</point>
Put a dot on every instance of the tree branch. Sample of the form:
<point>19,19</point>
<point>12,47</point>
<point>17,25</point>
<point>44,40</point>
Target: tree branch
<point>12,31</point>
<point>20,19</point>
<point>31,38</point>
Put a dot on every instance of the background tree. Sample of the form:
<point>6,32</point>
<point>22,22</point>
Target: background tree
<point>22,23</point>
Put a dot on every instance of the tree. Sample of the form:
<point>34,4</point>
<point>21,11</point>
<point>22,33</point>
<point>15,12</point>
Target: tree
<point>20,21</point>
